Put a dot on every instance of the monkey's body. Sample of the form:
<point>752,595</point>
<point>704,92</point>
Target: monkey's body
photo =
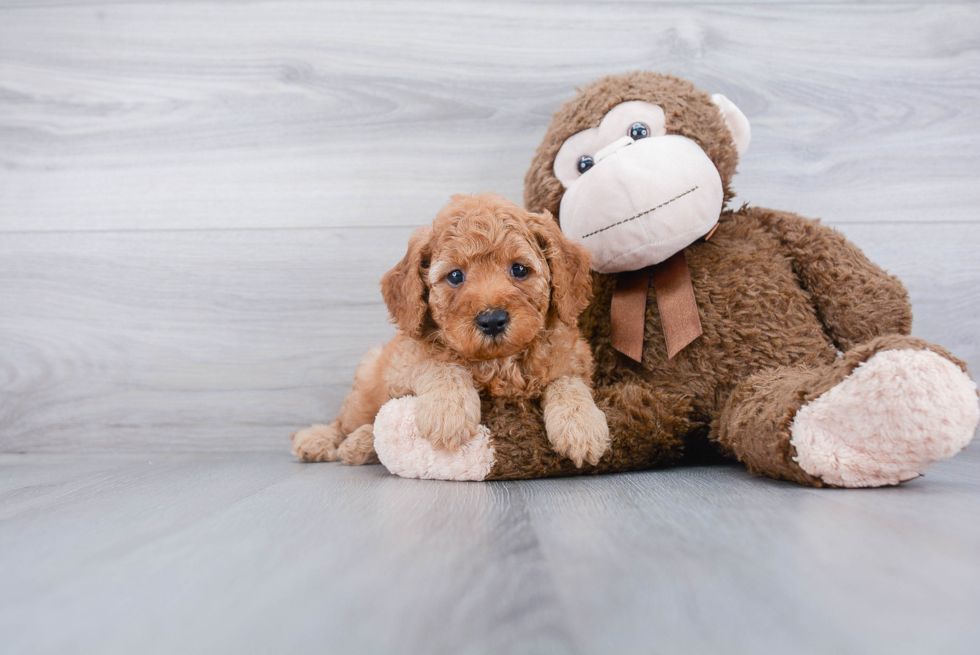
<point>763,306</point>
<point>804,370</point>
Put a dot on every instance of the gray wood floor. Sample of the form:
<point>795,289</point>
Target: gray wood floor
<point>196,203</point>
<point>223,553</point>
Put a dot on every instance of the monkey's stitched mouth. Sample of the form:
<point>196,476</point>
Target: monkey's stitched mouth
<point>643,213</point>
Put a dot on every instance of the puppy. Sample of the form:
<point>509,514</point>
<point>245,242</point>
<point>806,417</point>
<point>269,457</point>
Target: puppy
<point>486,302</point>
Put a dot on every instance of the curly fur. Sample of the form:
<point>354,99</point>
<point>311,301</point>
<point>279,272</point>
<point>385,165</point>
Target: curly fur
<point>441,356</point>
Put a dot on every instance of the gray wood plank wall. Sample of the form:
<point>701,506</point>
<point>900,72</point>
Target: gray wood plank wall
<point>197,200</point>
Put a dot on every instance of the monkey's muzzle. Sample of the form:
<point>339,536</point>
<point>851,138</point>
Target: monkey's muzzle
<point>642,202</point>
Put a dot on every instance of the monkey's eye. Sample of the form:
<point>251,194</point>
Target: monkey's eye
<point>639,131</point>
<point>455,278</point>
<point>585,163</point>
<point>519,271</point>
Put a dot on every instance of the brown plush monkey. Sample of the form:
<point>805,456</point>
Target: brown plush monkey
<point>775,341</point>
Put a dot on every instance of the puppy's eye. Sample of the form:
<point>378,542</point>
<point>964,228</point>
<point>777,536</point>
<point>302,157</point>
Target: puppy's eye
<point>519,271</point>
<point>639,131</point>
<point>585,163</point>
<point>455,278</point>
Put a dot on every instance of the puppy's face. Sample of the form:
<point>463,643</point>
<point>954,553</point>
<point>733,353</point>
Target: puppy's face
<point>489,282</point>
<point>490,274</point>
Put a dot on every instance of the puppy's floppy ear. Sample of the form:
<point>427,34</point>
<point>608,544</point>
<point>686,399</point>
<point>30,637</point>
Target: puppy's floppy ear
<point>571,282</point>
<point>404,288</point>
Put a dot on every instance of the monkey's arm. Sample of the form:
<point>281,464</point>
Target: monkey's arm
<point>647,428</point>
<point>855,299</point>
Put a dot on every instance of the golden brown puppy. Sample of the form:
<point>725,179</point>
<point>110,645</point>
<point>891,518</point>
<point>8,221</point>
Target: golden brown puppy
<point>486,302</point>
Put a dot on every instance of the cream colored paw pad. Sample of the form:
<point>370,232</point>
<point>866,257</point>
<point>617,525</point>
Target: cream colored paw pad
<point>404,452</point>
<point>893,416</point>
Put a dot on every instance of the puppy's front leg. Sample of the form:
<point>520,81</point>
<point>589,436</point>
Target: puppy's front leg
<point>448,409</point>
<point>576,428</point>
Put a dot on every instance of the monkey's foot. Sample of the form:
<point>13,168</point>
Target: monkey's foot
<point>894,415</point>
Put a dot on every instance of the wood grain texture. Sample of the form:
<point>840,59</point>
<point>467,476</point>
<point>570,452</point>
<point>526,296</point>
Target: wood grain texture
<point>256,553</point>
<point>230,340</point>
<point>313,114</point>
<point>184,339</point>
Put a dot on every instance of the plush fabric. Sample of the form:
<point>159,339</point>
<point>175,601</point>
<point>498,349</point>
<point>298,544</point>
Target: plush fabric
<point>687,111</point>
<point>630,231</point>
<point>738,124</point>
<point>404,452</point>
<point>805,370</point>
<point>890,418</point>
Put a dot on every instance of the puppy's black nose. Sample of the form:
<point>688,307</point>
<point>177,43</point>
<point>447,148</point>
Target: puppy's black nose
<point>493,321</point>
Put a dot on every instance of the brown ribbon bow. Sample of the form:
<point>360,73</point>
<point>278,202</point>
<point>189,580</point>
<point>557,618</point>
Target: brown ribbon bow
<point>675,301</point>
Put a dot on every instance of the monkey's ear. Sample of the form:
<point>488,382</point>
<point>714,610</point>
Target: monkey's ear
<point>403,287</point>
<point>571,282</point>
<point>736,121</point>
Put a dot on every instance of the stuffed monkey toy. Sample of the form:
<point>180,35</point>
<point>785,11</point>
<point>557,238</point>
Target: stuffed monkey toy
<point>750,334</point>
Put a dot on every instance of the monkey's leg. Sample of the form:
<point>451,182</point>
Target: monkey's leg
<point>879,415</point>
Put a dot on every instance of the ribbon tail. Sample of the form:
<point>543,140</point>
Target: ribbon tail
<point>676,302</point>
<point>628,312</point>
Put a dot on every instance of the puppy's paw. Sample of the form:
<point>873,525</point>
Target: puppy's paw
<point>358,448</point>
<point>448,419</point>
<point>577,430</point>
<point>318,443</point>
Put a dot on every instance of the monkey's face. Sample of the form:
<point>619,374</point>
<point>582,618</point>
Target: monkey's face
<point>633,194</point>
